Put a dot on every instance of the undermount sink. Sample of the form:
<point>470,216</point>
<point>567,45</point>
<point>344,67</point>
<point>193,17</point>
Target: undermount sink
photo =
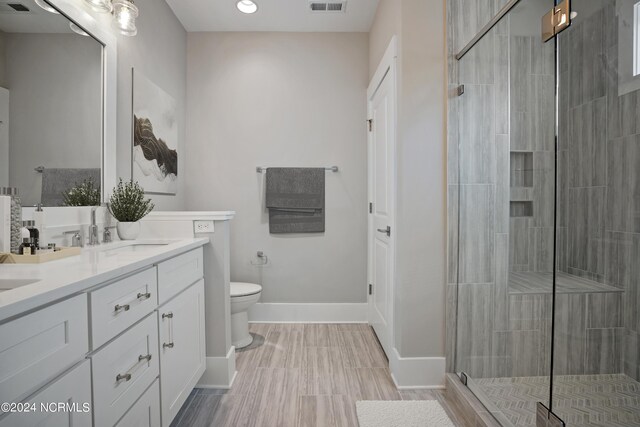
<point>8,284</point>
<point>136,247</point>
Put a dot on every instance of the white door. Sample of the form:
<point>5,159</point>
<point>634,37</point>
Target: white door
<point>382,147</point>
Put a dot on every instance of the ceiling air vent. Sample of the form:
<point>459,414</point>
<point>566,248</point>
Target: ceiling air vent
<point>327,7</point>
<point>13,7</point>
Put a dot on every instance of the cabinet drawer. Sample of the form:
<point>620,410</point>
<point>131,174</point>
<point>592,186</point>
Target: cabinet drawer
<point>73,388</point>
<point>37,347</point>
<point>123,370</point>
<point>146,411</point>
<point>119,305</point>
<point>178,273</point>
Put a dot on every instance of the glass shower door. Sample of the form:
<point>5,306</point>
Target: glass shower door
<point>596,362</point>
<point>505,212</point>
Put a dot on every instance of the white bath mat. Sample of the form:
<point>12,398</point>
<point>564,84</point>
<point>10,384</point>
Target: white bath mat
<point>399,413</point>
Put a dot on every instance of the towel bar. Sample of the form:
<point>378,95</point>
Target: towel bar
<point>262,169</point>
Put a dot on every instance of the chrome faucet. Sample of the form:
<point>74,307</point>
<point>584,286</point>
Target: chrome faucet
<point>93,229</point>
<point>106,234</point>
<point>76,239</point>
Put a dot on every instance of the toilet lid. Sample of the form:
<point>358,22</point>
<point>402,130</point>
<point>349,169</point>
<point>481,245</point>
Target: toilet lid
<point>240,289</point>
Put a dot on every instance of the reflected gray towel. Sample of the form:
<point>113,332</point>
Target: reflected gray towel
<point>57,181</point>
<point>295,199</point>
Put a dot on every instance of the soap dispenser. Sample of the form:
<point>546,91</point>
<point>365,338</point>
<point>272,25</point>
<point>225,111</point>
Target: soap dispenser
<point>39,218</point>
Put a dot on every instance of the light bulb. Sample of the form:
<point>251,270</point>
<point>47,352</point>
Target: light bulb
<point>125,14</point>
<point>102,6</point>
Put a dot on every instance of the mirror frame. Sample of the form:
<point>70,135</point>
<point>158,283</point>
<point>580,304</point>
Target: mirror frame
<point>100,30</point>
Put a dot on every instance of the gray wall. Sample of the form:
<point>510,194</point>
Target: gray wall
<point>282,99</point>
<point>3,60</point>
<point>421,212</point>
<point>4,112</point>
<point>159,52</point>
<point>55,109</point>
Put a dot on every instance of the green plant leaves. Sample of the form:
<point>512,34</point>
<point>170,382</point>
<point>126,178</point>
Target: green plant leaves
<point>83,194</point>
<point>127,203</point>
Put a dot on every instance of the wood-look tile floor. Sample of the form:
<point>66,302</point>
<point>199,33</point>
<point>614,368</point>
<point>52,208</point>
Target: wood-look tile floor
<point>301,375</point>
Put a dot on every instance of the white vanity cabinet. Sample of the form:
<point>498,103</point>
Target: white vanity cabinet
<point>146,411</point>
<point>37,347</point>
<point>133,348</point>
<point>72,389</point>
<point>182,348</point>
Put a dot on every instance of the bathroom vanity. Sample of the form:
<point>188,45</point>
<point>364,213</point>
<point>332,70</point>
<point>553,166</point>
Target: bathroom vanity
<point>117,334</point>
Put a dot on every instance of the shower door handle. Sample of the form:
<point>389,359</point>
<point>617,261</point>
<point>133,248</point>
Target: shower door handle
<point>387,230</point>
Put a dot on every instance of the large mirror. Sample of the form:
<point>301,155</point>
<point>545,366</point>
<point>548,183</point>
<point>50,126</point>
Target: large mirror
<point>51,106</point>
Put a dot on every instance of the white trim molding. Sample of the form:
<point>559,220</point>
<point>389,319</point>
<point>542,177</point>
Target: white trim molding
<point>220,372</point>
<point>191,216</point>
<point>417,372</point>
<point>308,313</point>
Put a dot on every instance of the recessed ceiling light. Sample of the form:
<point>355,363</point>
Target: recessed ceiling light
<point>46,6</point>
<point>77,29</point>
<point>247,6</point>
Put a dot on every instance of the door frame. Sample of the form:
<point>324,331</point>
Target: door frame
<point>387,68</point>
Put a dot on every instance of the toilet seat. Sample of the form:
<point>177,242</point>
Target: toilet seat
<point>241,289</point>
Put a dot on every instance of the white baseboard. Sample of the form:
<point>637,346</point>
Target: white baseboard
<point>417,372</point>
<point>309,313</point>
<point>220,372</point>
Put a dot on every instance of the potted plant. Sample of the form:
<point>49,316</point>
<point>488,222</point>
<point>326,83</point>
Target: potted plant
<point>128,205</point>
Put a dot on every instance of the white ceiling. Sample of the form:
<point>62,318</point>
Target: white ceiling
<point>272,15</point>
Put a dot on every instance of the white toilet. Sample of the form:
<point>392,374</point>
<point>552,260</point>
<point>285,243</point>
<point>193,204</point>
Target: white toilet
<point>243,296</point>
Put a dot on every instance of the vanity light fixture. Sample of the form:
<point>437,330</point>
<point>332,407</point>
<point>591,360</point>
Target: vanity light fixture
<point>102,6</point>
<point>46,6</point>
<point>77,29</point>
<point>125,14</point>
<point>247,6</point>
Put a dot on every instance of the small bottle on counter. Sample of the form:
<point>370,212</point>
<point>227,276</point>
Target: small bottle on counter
<point>24,231</point>
<point>39,219</point>
<point>33,232</point>
<point>27,247</point>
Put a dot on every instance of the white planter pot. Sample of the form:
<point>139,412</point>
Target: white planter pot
<point>128,230</point>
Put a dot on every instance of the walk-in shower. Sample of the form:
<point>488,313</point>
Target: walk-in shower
<point>544,213</point>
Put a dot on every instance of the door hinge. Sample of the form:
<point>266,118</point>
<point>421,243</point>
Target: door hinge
<point>460,90</point>
<point>370,289</point>
<point>370,207</point>
<point>370,124</point>
<point>556,20</point>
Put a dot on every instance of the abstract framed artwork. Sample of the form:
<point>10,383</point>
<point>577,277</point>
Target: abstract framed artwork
<point>154,157</point>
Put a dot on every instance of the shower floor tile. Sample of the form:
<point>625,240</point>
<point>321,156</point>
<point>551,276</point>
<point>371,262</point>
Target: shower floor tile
<point>580,400</point>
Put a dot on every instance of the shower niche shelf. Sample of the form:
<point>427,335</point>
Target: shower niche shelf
<point>520,208</point>
<point>521,169</point>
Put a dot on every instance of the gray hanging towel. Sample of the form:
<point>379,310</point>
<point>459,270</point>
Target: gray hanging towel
<point>57,181</point>
<point>295,199</point>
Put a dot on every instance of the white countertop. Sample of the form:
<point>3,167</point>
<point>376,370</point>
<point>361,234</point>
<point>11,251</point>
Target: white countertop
<point>95,265</point>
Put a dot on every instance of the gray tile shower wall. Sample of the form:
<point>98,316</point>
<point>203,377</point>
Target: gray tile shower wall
<point>599,168</point>
<point>504,125</point>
